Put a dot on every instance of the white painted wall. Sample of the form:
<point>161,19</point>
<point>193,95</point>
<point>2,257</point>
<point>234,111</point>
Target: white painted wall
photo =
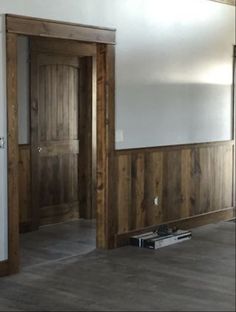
<point>173,67</point>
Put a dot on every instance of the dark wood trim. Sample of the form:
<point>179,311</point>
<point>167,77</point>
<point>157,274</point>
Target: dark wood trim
<point>102,159</point>
<point>103,129</point>
<point>54,29</point>
<point>187,223</point>
<point>13,155</point>
<point>105,141</point>
<point>4,268</point>
<point>70,47</point>
<point>172,147</point>
<point>112,221</point>
<point>34,135</point>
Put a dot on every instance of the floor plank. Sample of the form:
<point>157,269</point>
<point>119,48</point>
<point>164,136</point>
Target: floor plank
<point>196,275</point>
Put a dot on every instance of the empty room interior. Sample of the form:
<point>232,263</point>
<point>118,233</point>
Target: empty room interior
<point>117,155</point>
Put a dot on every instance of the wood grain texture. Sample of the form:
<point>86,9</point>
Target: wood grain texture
<point>70,47</point>
<point>103,110</point>
<point>54,137</point>
<point>112,222</point>
<point>12,130</point>
<point>188,182</point>
<point>227,214</point>
<point>24,188</point>
<point>102,159</point>
<point>87,209</point>
<point>48,28</point>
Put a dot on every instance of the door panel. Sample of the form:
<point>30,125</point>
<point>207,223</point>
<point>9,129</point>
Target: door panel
<point>55,137</point>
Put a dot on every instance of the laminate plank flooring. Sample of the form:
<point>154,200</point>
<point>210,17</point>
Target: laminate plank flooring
<point>196,275</point>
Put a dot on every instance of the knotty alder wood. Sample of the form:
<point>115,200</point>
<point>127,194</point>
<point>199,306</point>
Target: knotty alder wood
<point>48,28</point>
<point>188,182</point>
<point>12,130</point>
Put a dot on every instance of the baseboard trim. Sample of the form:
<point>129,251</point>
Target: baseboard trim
<point>122,239</point>
<point>4,268</point>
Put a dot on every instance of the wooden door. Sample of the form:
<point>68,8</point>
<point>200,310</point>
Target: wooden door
<point>55,81</point>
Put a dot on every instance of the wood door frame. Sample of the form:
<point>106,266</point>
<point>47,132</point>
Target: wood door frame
<point>104,38</point>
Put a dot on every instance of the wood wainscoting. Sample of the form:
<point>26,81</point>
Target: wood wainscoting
<point>190,181</point>
<point>194,184</point>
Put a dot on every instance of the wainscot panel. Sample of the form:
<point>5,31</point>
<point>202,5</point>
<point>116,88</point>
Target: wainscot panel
<point>189,181</point>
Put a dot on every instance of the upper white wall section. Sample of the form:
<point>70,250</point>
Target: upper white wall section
<point>173,67</point>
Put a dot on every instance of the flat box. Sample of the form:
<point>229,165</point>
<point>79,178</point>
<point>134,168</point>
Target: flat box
<point>152,240</point>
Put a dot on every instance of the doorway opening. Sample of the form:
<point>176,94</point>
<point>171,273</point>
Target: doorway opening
<point>55,103</point>
<point>70,152</point>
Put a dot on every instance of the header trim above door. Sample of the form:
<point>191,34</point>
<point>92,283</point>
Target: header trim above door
<point>54,29</point>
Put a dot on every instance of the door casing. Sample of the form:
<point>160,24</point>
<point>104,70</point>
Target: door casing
<point>102,121</point>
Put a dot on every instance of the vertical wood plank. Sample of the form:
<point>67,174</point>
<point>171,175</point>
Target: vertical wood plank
<point>185,182</point>
<point>137,193</point>
<point>13,155</point>
<point>85,136</point>
<point>111,221</point>
<point>205,191</point>
<point>195,182</point>
<point>124,194</point>
<point>153,187</point>
<point>106,222</point>
<point>228,177</point>
<point>35,139</point>
<point>24,185</point>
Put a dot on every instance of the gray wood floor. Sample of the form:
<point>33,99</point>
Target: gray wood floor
<point>197,275</point>
<point>56,242</point>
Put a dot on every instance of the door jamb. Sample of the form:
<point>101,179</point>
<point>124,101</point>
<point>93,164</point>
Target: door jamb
<point>105,128</point>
